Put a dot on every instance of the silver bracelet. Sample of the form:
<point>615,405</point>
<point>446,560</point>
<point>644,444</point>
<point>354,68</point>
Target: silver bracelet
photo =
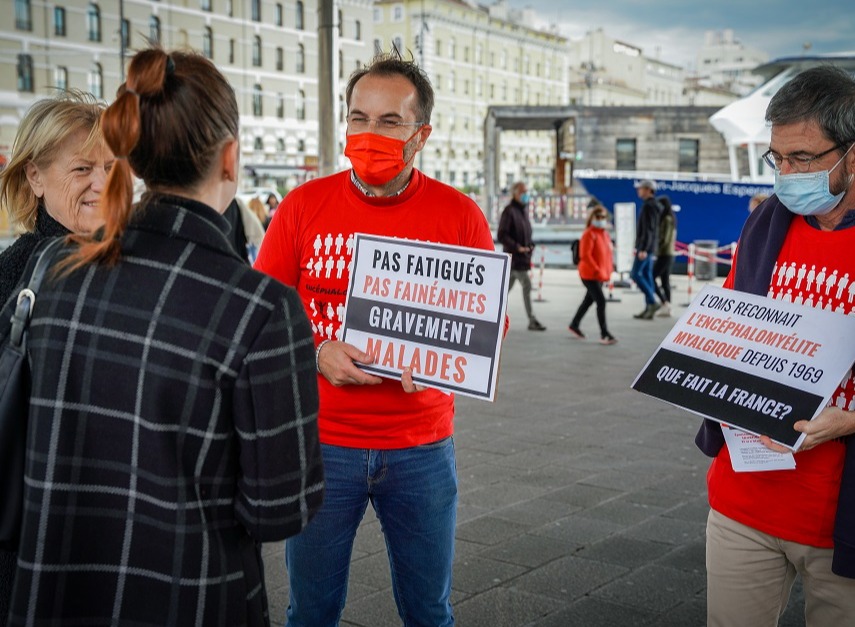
<point>318,354</point>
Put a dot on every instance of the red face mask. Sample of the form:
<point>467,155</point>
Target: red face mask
<point>376,159</point>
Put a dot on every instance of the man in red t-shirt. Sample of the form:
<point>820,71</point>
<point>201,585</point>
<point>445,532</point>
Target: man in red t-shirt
<point>799,246</point>
<point>383,441</point>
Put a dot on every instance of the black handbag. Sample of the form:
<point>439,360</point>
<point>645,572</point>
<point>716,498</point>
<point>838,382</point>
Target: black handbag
<point>15,401</point>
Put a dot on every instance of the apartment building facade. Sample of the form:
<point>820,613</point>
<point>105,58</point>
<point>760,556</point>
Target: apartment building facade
<point>267,49</point>
<point>477,56</point>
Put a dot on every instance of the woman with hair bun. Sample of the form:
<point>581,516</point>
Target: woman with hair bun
<point>173,408</point>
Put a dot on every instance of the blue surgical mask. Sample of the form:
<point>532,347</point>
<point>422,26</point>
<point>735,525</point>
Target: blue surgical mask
<point>600,224</point>
<point>808,193</point>
<point>525,198</point>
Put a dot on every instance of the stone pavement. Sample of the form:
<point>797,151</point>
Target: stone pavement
<point>582,502</point>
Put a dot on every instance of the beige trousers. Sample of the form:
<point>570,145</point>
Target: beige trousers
<point>750,574</point>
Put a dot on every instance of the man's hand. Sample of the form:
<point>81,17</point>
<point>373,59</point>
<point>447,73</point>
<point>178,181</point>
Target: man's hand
<point>336,362</point>
<point>642,254</point>
<point>523,249</point>
<point>408,384</point>
<point>831,423</point>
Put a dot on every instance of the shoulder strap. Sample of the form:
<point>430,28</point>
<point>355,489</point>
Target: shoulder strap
<point>27,296</point>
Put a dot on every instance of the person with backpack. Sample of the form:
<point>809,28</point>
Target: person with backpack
<point>595,264</point>
<point>665,255</point>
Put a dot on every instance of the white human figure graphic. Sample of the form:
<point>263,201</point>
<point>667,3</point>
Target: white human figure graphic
<point>327,243</point>
<point>829,304</point>
<point>770,293</point>
<point>841,400</point>
<point>319,265</point>
<point>830,281</point>
<point>851,291</point>
<point>313,307</point>
<point>349,244</point>
<point>819,302</point>
<point>330,311</point>
<point>800,275</point>
<point>339,312</point>
<point>330,262</point>
<point>788,297</point>
<point>811,275</point>
<point>781,272</point>
<point>798,299</point>
<point>339,267</point>
<point>820,278</point>
<point>791,272</point>
<point>841,285</point>
<point>317,244</point>
<point>851,406</point>
<point>314,327</point>
<point>329,330</point>
<point>339,240</point>
<point>309,266</point>
<point>338,332</point>
<point>841,308</point>
<point>350,265</point>
<point>809,301</point>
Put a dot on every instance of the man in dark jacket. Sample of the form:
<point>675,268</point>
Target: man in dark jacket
<point>646,240</point>
<point>515,235</point>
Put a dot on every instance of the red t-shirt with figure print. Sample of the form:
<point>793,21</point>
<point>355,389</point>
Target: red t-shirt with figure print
<point>309,244</point>
<point>817,269</point>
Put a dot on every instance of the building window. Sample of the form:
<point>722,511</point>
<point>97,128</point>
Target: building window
<point>280,59</point>
<point>301,59</point>
<point>256,51</point>
<point>357,30</point>
<point>689,155</point>
<point>256,10</point>
<point>625,154</point>
<point>25,73</point>
<point>452,48</point>
<point>93,22</point>
<point>258,144</point>
<point>299,24</point>
<point>96,80</point>
<point>256,100</point>
<point>230,8</point>
<point>301,145</point>
<point>279,14</point>
<point>154,29</point>
<point>60,78</point>
<point>205,4</point>
<point>438,50</point>
<point>23,15</point>
<point>208,42</point>
<point>126,33</point>
<point>378,46</point>
<point>397,13</point>
<point>340,25</point>
<point>340,64</point>
<point>280,106</point>
<point>378,15</point>
<point>301,105</point>
<point>452,79</point>
<point>231,50</point>
<point>398,46</point>
<point>280,144</point>
<point>59,21</point>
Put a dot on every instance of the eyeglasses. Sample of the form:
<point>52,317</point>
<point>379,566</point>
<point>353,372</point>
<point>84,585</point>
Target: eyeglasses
<point>797,164</point>
<point>361,123</point>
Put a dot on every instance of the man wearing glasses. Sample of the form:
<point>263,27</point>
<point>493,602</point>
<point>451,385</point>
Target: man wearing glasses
<point>383,441</point>
<point>765,527</point>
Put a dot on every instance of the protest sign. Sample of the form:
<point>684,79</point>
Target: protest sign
<point>436,309</point>
<point>752,362</point>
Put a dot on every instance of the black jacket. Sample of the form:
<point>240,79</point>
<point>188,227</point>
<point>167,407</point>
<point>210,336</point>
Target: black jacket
<point>175,430</point>
<point>515,231</point>
<point>647,231</point>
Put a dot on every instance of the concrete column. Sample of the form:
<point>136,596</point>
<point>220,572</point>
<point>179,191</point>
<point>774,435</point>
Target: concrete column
<point>327,148</point>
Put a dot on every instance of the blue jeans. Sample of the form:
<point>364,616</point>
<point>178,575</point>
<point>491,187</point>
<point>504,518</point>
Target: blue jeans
<point>642,274</point>
<point>414,493</point>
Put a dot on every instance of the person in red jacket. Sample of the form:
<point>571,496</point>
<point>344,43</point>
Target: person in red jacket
<point>595,267</point>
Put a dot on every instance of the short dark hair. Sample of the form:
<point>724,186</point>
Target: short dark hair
<point>824,94</point>
<point>392,64</point>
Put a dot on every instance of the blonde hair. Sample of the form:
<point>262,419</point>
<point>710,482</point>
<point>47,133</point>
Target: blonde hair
<point>41,133</point>
<point>259,209</point>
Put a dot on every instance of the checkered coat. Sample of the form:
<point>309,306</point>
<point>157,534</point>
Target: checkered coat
<point>172,429</point>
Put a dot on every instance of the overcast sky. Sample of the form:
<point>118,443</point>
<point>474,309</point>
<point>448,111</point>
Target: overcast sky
<point>676,27</point>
